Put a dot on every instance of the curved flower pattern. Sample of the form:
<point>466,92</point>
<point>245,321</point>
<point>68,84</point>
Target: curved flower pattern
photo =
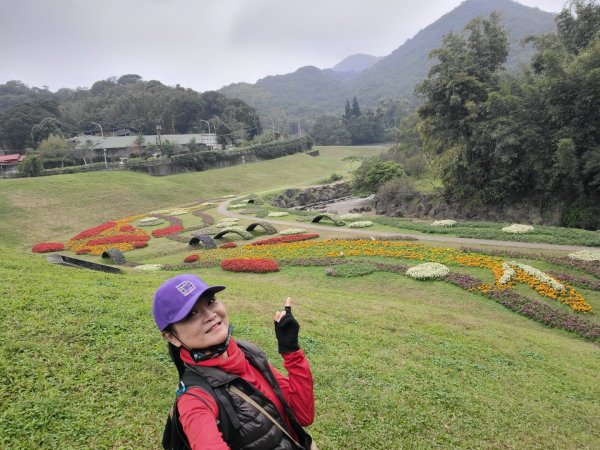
<point>428,271</point>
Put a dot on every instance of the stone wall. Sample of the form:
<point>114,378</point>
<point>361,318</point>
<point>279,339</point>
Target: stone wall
<point>314,197</point>
<point>434,206</point>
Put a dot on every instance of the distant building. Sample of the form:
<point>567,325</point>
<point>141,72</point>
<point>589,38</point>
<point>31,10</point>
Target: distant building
<point>123,146</point>
<point>9,163</point>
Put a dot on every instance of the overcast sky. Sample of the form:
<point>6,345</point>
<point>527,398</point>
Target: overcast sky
<point>202,44</point>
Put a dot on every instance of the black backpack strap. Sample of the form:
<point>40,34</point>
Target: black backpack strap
<point>228,421</point>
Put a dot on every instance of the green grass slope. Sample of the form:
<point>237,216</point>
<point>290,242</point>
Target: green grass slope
<point>397,363</point>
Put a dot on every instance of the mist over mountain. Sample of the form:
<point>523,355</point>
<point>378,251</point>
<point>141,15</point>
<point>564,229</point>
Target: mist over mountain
<point>309,91</point>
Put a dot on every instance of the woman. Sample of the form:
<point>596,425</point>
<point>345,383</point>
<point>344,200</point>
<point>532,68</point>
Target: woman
<point>230,396</point>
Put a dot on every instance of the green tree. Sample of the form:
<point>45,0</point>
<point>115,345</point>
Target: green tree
<point>355,112</point>
<point>55,147</point>
<point>373,173</point>
<point>31,166</point>
<point>329,130</point>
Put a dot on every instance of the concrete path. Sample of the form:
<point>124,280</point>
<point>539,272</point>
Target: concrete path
<point>222,210</point>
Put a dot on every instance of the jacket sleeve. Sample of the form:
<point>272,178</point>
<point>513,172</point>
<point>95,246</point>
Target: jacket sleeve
<point>199,421</point>
<point>297,387</point>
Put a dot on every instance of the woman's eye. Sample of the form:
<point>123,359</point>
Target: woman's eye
<point>211,300</point>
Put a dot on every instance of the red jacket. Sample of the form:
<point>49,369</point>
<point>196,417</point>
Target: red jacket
<point>199,421</point>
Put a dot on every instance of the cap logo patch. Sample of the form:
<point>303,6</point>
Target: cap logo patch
<point>186,288</point>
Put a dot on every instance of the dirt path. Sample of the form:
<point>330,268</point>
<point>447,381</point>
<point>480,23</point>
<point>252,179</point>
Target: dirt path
<point>222,210</point>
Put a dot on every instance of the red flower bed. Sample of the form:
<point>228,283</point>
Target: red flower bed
<point>119,239</point>
<point>140,244</point>
<point>83,251</point>
<point>229,245</point>
<point>284,239</point>
<point>126,228</point>
<point>255,265</point>
<point>191,258</point>
<point>168,230</point>
<point>91,232</point>
<point>45,247</point>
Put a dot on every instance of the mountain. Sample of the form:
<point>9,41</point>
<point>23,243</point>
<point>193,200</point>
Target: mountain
<point>355,63</point>
<point>309,91</point>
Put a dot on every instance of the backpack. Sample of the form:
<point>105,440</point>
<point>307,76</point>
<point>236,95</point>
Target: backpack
<point>174,438</point>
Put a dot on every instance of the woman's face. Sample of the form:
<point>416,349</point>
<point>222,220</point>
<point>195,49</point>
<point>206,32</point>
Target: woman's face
<point>206,325</point>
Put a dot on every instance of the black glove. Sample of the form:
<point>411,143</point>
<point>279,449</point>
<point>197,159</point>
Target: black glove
<point>286,331</point>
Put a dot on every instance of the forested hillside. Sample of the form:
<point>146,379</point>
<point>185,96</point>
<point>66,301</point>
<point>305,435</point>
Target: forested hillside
<point>310,92</point>
<point>29,115</point>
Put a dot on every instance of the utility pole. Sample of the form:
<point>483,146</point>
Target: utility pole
<point>158,130</point>
<point>104,148</point>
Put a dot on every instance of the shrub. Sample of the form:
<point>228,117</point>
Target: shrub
<point>254,265</point>
<point>191,258</point>
<point>397,190</point>
<point>516,228</point>
<point>586,255</point>
<point>428,271</point>
<point>360,224</point>
<point>45,247</point>
<point>284,239</point>
<point>290,231</point>
<point>443,223</point>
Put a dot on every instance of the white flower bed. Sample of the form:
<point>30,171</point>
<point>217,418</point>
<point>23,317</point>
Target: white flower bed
<point>208,204</point>
<point>428,271</point>
<point>238,205</point>
<point>443,223</point>
<point>509,272</point>
<point>349,216</point>
<point>360,224</point>
<point>539,275</point>
<point>225,224</point>
<point>149,267</point>
<point>229,196</point>
<point>148,219</point>
<point>516,228</point>
<point>292,231</point>
<point>278,214</point>
<point>586,255</point>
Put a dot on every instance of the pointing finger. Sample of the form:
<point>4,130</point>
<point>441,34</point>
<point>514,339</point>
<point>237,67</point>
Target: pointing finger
<point>288,303</point>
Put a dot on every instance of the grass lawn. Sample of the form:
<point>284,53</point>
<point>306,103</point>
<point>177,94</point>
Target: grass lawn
<point>397,363</point>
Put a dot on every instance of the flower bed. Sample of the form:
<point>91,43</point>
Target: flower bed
<point>237,206</point>
<point>286,239</point>
<point>254,265</point>
<point>149,267</point>
<point>191,258</point>
<point>45,247</point>
<point>91,232</point>
<point>290,231</point>
<point>443,223</point>
<point>278,214</point>
<point>118,239</point>
<point>360,224</point>
<point>166,231</point>
<point>229,245</point>
<point>586,255</point>
<point>516,228</point>
<point>353,269</point>
<point>428,271</point>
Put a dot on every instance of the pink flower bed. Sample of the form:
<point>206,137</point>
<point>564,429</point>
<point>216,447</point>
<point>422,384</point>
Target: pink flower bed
<point>166,231</point>
<point>254,265</point>
<point>45,247</point>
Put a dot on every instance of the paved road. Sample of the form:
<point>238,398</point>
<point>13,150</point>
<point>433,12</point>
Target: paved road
<point>222,209</point>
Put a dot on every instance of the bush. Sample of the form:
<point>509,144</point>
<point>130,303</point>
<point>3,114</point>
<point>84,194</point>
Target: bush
<point>586,218</point>
<point>400,189</point>
<point>191,258</point>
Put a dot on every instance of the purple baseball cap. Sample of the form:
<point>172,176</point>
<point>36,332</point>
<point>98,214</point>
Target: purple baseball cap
<point>176,297</point>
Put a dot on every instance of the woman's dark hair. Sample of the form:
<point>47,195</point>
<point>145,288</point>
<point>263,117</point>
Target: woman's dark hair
<point>175,354</point>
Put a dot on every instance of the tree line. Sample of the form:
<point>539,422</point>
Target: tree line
<point>494,137</point>
<point>30,115</point>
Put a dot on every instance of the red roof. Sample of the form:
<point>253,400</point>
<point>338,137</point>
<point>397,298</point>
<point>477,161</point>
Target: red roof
<point>14,158</point>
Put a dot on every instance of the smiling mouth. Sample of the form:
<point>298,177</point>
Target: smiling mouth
<point>216,325</point>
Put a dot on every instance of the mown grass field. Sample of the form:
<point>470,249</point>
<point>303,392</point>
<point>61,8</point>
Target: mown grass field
<point>397,363</point>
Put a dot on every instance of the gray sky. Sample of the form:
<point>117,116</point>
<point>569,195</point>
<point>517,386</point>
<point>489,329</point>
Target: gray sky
<point>202,44</point>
